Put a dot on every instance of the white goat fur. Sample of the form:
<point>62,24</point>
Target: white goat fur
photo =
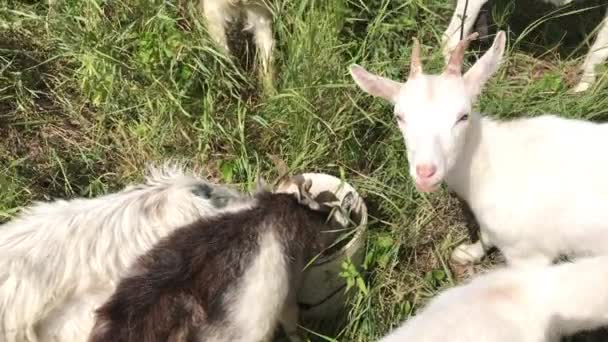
<point>218,13</point>
<point>537,186</point>
<point>508,305</point>
<point>60,260</point>
<point>597,53</point>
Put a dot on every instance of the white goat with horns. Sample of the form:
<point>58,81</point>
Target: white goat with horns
<point>597,53</point>
<point>59,261</point>
<point>537,186</point>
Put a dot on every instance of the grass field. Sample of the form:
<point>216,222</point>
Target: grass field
<point>92,90</point>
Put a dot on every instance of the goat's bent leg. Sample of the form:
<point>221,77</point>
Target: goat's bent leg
<point>534,261</point>
<point>468,253</point>
<point>525,257</point>
<point>596,55</point>
<point>216,14</point>
<point>451,36</point>
<point>472,253</point>
<point>259,19</point>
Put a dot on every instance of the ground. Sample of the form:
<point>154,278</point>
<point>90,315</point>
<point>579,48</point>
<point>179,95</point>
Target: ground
<point>92,90</point>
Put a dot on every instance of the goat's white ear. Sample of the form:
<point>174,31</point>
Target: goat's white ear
<point>486,66</point>
<point>375,85</point>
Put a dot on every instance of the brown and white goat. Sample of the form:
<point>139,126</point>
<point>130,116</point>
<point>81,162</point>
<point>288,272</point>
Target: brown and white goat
<point>228,278</point>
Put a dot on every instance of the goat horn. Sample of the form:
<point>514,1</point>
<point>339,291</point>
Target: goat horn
<point>416,63</point>
<point>454,66</point>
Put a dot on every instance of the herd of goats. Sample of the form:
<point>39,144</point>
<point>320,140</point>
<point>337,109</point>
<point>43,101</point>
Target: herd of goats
<point>178,258</point>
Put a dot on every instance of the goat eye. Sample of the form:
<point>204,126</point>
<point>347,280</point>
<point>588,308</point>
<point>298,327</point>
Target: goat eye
<point>464,117</point>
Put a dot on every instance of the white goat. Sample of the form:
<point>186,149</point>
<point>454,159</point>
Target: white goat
<point>537,186</point>
<point>523,305</point>
<point>60,260</point>
<point>596,55</point>
<point>259,20</point>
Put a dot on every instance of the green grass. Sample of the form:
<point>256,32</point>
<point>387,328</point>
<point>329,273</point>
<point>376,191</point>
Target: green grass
<point>91,91</point>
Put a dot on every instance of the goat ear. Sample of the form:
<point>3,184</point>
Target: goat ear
<point>375,85</point>
<point>486,66</point>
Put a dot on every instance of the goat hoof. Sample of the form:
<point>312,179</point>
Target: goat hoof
<point>268,85</point>
<point>466,254</point>
<point>581,87</point>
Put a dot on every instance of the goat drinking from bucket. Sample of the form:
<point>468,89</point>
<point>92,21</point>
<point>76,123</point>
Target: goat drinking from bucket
<point>537,186</point>
<point>61,260</point>
<point>227,278</point>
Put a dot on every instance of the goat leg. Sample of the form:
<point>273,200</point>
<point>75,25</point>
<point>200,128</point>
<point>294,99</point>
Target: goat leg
<point>596,55</point>
<point>451,36</point>
<point>216,13</point>
<point>259,18</point>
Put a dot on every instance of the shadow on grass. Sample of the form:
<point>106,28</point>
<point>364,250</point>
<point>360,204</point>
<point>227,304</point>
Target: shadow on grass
<point>560,30</point>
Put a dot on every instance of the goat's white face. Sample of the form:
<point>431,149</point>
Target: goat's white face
<point>432,111</point>
<point>432,114</point>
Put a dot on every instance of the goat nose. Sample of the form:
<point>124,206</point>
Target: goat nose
<point>425,170</point>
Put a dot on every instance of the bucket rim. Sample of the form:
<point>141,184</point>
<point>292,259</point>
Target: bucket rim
<point>360,229</point>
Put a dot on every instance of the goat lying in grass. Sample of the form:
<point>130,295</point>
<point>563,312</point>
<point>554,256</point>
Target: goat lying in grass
<point>61,260</point>
<point>537,186</point>
<point>227,278</point>
<point>218,13</point>
<point>523,305</point>
<point>597,53</point>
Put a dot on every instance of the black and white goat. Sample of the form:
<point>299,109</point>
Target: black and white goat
<point>232,278</point>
